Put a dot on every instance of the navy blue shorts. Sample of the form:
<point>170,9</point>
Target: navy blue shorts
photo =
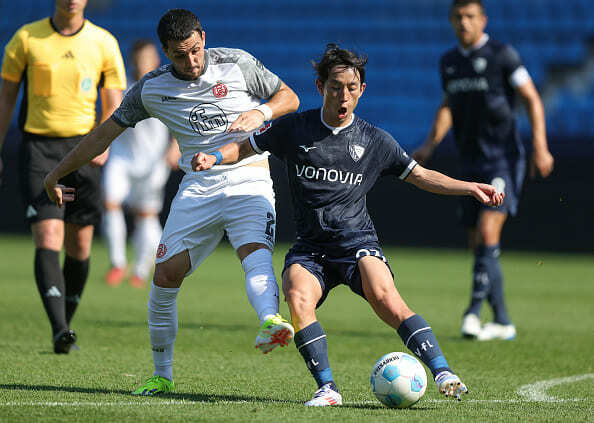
<point>508,181</point>
<point>332,271</point>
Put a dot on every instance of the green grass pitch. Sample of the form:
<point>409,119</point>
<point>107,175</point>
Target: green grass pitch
<point>546,374</point>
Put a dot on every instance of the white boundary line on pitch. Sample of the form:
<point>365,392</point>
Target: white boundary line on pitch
<point>537,391</point>
<point>226,402</point>
<point>534,392</point>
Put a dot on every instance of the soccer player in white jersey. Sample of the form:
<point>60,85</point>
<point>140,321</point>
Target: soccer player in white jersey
<point>205,97</point>
<point>135,174</point>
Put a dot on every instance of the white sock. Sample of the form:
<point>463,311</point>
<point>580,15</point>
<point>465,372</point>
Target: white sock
<point>162,321</point>
<point>146,240</point>
<point>260,283</point>
<point>115,232</point>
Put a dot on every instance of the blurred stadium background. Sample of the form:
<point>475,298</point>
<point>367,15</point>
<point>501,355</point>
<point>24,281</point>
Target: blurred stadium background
<point>404,40</point>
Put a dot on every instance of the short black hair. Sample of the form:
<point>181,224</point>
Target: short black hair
<point>177,25</point>
<point>462,3</point>
<point>336,56</point>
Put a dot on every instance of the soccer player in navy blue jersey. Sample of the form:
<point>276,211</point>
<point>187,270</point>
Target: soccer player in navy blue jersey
<point>481,80</point>
<point>333,159</point>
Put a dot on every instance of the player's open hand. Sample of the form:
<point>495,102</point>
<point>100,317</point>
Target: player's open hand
<point>57,193</point>
<point>247,121</point>
<point>542,161</point>
<point>488,195</point>
<point>203,161</point>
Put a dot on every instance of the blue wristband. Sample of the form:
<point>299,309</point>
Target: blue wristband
<point>219,157</point>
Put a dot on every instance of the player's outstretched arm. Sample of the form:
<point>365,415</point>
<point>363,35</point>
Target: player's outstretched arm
<point>441,126</point>
<point>438,183</point>
<point>92,145</point>
<point>227,154</point>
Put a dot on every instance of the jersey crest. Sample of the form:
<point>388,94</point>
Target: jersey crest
<point>220,90</point>
<point>479,64</point>
<point>356,152</point>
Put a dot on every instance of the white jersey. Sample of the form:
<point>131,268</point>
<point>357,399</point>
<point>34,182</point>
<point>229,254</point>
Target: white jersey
<point>199,112</point>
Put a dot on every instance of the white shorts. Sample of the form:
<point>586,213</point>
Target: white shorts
<point>140,191</point>
<point>239,202</point>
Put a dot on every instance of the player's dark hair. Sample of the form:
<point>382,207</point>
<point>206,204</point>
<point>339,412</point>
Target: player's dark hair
<point>336,56</point>
<point>462,3</point>
<point>177,25</point>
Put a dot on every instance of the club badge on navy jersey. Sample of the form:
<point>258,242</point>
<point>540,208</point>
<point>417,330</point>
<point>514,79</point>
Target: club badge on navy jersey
<point>356,152</point>
<point>479,64</point>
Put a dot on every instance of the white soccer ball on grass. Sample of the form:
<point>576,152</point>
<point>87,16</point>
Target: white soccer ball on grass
<point>398,380</point>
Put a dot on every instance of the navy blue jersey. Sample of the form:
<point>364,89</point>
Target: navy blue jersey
<point>330,173</point>
<point>478,86</point>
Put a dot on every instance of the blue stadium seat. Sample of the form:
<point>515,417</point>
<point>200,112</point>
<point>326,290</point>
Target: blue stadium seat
<point>403,40</point>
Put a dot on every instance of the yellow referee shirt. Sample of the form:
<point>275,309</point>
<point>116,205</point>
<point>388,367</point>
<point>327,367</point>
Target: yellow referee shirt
<point>62,74</point>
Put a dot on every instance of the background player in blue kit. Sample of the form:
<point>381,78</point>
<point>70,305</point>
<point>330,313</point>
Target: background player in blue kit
<point>333,159</point>
<point>481,78</point>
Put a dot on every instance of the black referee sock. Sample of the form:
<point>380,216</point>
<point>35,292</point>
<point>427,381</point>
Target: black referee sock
<point>50,283</point>
<point>75,276</point>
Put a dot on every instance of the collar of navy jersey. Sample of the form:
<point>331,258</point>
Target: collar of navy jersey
<point>480,44</point>
<point>335,129</point>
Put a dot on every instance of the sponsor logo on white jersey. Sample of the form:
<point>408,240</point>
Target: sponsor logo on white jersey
<point>208,119</point>
<point>330,175</point>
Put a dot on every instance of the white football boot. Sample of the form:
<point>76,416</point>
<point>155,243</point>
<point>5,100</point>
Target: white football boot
<point>491,331</point>
<point>450,385</point>
<point>471,326</point>
<point>324,397</point>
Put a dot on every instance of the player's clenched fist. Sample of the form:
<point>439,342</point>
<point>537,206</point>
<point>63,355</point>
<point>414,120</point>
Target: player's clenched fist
<point>202,161</point>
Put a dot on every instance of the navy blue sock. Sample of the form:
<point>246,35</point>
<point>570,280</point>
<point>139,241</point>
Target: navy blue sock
<point>495,295</point>
<point>312,345</point>
<point>480,280</point>
<point>418,337</point>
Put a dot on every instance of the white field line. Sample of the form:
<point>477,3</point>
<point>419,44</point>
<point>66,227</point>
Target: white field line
<point>534,392</point>
<point>537,391</point>
<point>226,402</point>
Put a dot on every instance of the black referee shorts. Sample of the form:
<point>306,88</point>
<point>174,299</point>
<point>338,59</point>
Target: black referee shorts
<point>38,156</point>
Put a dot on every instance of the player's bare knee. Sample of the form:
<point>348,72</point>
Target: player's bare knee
<point>167,275</point>
<point>247,249</point>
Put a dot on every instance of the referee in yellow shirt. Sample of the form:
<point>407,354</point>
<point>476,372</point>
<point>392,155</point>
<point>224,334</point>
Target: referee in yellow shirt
<point>63,59</point>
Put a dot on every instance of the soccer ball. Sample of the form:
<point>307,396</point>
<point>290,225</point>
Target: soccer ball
<point>398,380</point>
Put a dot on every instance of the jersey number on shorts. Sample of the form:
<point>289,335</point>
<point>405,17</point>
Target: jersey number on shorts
<point>270,225</point>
